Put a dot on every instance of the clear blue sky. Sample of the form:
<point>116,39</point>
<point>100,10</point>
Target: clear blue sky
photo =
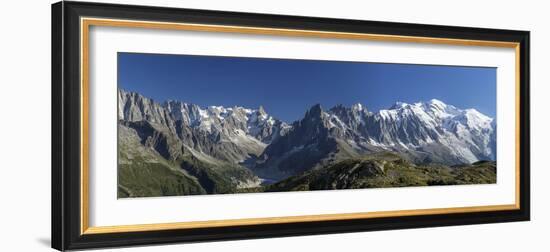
<point>287,88</point>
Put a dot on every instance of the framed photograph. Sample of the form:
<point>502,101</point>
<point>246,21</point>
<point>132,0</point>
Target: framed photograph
<point>180,125</point>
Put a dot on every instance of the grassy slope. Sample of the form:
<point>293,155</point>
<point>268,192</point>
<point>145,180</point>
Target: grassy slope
<point>385,170</point>
<point>144,172</point>
<point>154,179</point>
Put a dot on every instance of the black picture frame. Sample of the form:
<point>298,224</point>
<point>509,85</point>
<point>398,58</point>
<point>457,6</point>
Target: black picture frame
<point>66,114</point>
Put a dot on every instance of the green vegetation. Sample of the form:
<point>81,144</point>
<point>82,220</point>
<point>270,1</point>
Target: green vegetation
<point>216,178</point>
<point>154,179</point>
<point>385,170</point>
<point>145,171</point>
<point>155,166</point>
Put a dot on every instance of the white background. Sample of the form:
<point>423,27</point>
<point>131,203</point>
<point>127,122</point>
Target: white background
<point>106,210</point>
<point>25,125</point>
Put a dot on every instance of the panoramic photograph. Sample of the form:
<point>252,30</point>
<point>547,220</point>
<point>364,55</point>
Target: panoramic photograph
<point>196,125</point>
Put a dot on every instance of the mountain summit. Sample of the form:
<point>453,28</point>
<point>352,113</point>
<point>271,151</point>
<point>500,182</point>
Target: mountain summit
<point>423,132</point>
<point>230,134</point>
<point>217,149</point>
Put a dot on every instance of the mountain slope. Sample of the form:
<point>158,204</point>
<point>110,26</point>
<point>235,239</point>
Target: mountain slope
<point>192,150</point>
<point>142,171</point>
<point>385,170</point>
<point>176,148</point>
<point>425,132</point>
<point>311,142</point>
<point>228,134</point>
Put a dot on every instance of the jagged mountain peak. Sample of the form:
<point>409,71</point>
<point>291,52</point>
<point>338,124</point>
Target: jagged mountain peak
<point>316,111</point>
<point>130,94</point>
<point>228,133</point>
<point>399,105</point>
<point>188,112</point>
<point>425,105</point>
<point>358,107</point>
<point>433,109</point>
<point>339,106</point>
<point>429,131</point>
<point>261,110</point>
<point>430,128</point>
<point>428,103</point>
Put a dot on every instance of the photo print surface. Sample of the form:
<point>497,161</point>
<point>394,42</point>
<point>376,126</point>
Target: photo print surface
<point>193,125</point>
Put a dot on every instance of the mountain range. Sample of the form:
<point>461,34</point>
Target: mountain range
<point>175,148</point>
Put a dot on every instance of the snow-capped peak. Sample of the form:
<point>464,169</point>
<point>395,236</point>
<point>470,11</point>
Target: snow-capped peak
<point>357,107</point>
<point>437,102</point>
<point>398,105</point>
<point>474,119</point>
<point>255,123</point>
<point>466,133</point>
<point>458,135</point>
